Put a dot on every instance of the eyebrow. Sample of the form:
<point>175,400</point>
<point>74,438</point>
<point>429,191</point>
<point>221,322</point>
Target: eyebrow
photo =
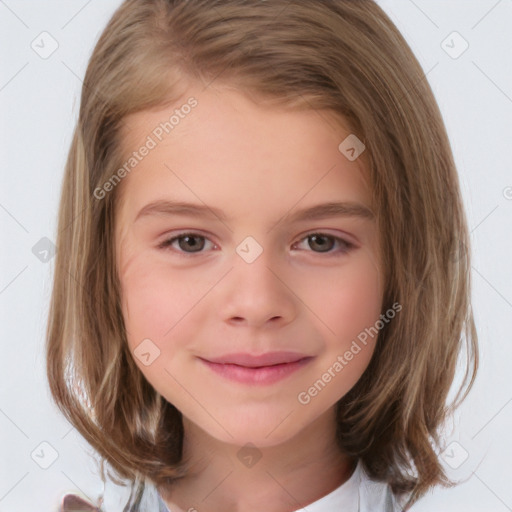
<point>316,212</point>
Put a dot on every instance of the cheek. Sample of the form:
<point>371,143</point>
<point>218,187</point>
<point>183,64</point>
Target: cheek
<point>349,300</point>
<point>159,304</point>
<point>349,304</point>
<point>155,306</point>
<point>151,304</point>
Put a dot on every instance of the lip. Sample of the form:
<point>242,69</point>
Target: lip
<point>257,369</point>
<point>254,361</point>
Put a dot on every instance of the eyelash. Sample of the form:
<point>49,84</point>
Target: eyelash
<point>346,246</point>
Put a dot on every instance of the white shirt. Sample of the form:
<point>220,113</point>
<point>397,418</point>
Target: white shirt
<point>357,494</point>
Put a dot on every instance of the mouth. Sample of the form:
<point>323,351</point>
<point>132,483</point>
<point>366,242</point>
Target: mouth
<point>260,369</point>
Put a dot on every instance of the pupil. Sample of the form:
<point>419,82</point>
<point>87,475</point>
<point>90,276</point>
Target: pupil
<point>189,240</point>
<point>323,245</point>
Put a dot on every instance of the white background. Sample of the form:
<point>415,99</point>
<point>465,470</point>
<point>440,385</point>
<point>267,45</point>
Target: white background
<point>39,105</point>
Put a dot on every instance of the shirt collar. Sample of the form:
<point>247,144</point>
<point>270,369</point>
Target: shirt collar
<point>344,497</point>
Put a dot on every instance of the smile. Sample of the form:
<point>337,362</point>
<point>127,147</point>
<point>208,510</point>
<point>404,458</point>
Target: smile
<point>251,370</point>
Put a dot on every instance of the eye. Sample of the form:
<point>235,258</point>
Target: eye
<point>186,241</point>
<point>190,243</point>
<point>324,243</point>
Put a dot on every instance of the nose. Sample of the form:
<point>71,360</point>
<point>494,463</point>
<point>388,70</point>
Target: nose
<point>258,293</point>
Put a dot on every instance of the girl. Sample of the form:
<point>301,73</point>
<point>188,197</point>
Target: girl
<point>262,285</point>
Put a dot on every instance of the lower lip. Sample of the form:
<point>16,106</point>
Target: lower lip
<point>262,375</point>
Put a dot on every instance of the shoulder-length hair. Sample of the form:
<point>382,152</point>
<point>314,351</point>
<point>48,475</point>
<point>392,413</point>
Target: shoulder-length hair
<point>343,56</point>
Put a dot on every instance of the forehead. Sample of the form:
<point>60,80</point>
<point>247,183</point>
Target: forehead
<point>231,151</point>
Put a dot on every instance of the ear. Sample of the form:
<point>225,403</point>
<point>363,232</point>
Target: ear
<point>73,503</point>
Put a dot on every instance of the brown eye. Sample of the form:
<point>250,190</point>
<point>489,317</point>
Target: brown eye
<point>191,243</point>
<point>188,243</point>
<point>324,243</point>
<point>196,243</point>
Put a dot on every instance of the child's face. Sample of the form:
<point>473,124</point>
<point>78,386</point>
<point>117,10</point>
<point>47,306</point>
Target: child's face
<point>215,294</point>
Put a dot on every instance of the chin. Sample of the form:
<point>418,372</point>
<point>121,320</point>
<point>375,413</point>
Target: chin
<point>262,429</point>
<point>257,437</point>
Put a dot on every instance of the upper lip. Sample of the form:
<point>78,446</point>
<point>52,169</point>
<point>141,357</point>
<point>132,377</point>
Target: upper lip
<point>255,361</point>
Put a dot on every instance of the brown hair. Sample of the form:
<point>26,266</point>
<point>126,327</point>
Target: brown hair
<point>343,56</point>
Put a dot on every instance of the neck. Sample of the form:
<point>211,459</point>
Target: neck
<point>281,478</point>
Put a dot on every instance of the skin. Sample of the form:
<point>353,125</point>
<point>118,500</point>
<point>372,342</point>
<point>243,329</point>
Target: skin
<point>258,164</point>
